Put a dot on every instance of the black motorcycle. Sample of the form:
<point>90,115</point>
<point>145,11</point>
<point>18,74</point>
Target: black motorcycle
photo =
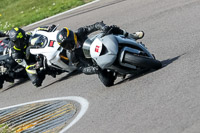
<point>3,45</point>
<point>9,69</point>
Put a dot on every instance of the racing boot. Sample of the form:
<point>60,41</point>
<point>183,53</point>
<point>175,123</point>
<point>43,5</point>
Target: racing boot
<point>51,28</point>
<point>34,76</point>
<point>137,35</point>
<point>36,81</point>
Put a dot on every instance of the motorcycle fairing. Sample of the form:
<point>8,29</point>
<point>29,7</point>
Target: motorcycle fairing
<point>110,44</point>
<point>96,48</point>
<point>52,51</point>
<point>122,40</point>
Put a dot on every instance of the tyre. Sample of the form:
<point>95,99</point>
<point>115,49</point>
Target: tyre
<point>1,81</point>
<point>107,78</point>
<point>141,61</point>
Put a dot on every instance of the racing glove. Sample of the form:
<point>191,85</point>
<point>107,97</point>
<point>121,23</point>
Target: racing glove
<point>2,34</point>
<point>90,70</point>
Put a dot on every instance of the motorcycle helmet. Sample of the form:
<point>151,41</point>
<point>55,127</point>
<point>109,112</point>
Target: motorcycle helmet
<point>67,38</point>
<point>18,38</point>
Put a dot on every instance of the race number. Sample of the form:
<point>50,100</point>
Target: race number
<point>51,43</point>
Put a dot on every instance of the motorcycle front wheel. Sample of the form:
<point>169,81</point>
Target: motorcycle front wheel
<point>107,78</point>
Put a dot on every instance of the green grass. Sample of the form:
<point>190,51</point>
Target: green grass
<point>18,13</point>
<point>5,129</point>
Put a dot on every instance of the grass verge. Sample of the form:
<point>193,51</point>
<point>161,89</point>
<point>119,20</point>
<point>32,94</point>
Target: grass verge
<point>5,129</point>
<point>18,13</point>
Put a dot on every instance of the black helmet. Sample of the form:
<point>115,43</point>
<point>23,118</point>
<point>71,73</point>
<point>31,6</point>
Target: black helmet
<point>67,38</point>
<point>18,37</point>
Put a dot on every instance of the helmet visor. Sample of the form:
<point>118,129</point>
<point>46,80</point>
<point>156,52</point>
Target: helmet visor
<point>66,44</point>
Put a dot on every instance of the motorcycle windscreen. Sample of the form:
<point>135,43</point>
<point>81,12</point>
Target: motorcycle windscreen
<point>38,40</point>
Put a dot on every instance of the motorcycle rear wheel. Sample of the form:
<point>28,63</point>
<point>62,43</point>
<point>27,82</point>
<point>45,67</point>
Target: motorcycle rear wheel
<point>141,61</point>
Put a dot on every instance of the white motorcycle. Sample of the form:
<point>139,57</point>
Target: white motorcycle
<point>118,56</point>
<point>55,59</point>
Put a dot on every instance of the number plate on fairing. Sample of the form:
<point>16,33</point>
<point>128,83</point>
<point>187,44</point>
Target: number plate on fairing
<point>96,48</point>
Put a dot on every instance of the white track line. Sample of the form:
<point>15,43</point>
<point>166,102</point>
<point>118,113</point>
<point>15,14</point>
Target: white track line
<point>62,13</point>
<point>83,102</point>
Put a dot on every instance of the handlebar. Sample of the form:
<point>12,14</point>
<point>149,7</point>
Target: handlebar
<point>107,32</point>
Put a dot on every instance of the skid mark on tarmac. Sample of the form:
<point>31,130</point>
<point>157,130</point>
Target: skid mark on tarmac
<point>50,115</point>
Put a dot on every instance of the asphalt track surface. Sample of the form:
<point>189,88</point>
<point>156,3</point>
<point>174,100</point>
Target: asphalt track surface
<point>162,101</point>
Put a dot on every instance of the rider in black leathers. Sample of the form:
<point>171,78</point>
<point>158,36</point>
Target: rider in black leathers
<point>2,34</point>
<point>19,40</point>
<point>73,41</point>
